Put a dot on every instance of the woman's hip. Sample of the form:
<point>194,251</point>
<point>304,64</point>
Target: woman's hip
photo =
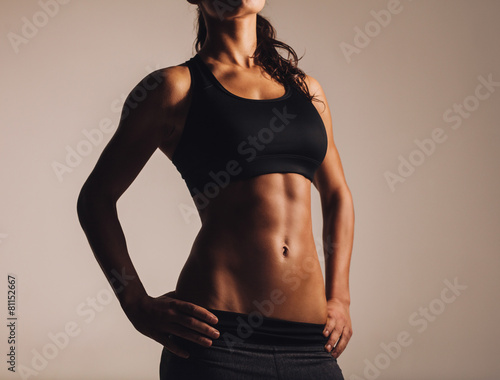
<point>254,346</point>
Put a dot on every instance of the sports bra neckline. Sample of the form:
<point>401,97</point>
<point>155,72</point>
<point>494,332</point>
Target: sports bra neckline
<point>207,71</point>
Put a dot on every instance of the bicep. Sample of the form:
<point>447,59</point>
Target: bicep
<point>137,137</point>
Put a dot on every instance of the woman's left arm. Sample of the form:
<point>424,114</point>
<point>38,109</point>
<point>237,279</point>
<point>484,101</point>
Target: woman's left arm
<point>338,232</point>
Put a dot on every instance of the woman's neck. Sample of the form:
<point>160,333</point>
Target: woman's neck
<point>231,41</point>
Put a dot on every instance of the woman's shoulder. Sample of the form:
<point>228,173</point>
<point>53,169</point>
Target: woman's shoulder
<point>314,86</point>
<point>174,82</point>
<point>161,91</point>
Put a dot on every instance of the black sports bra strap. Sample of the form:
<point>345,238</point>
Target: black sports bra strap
<point>198,74</point>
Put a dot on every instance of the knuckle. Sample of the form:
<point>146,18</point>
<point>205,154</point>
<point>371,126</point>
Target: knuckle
<point>188,307</point>
<point>170,312</point>
<point>204,341</point>
<point>190,322</point>
<point>172,305</point>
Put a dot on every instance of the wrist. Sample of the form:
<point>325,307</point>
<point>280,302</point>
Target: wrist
<point>131,295</point>
<point>345,300</point>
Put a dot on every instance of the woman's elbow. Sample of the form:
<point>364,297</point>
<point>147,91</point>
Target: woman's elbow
<point>83,205</point>
<point>90,201</point>
<point>336,196</point>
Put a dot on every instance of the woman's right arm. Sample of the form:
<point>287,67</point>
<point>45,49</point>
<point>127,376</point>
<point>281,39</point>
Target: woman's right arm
<point>145,124</point>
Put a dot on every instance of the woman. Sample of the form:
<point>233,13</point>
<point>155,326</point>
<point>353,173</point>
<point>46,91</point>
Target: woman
<point>249,132</point>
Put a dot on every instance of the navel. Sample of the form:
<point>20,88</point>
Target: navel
<point>285,251</point>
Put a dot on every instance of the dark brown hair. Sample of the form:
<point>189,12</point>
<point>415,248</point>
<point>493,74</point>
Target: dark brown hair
<point>283,70</point>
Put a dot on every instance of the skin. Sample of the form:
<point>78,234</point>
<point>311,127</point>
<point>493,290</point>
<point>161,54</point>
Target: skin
<point>256,235</point>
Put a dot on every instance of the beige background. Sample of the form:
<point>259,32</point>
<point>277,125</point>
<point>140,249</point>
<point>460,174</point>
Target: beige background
<point>441,223</point>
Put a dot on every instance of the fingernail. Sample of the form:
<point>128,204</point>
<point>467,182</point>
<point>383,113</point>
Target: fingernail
<point>325,333</point>
<point>328,347</point>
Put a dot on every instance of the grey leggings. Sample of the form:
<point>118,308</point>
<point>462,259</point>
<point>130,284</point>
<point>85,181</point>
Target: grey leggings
<point>252,346</point>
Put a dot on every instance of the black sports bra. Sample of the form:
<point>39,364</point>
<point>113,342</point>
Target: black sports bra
<point>228,138</point>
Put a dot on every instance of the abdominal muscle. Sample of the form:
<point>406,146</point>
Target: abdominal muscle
<point>255,252</point>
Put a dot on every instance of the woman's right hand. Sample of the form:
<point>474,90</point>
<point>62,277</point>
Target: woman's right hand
<point>160,317</point>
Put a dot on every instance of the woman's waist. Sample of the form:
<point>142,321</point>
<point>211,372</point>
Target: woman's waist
<point>256,328</point>
<point>232,243</point>
<point>288,289</point>
<point>274,259</point>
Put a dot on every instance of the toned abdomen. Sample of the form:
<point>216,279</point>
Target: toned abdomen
<point>256,252</point>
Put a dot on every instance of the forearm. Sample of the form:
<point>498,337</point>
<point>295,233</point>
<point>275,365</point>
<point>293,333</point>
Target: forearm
<point>338,234</point>
<point>99,220</point>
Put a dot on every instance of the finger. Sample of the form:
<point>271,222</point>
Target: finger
<point>190,335</point>
<point>174,348</point>
<point>196,311</point>
<point>342,344</point>
<point>195,324</point>
<point>340,347</point>
<point>334,337</point>
<point>329,326</point>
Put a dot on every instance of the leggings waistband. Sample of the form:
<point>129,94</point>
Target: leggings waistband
<point>256,328</point>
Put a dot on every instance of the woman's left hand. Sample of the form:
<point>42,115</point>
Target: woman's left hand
<point>338,325</point>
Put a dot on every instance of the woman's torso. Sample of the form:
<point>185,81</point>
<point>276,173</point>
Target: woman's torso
<point>255,250</point>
